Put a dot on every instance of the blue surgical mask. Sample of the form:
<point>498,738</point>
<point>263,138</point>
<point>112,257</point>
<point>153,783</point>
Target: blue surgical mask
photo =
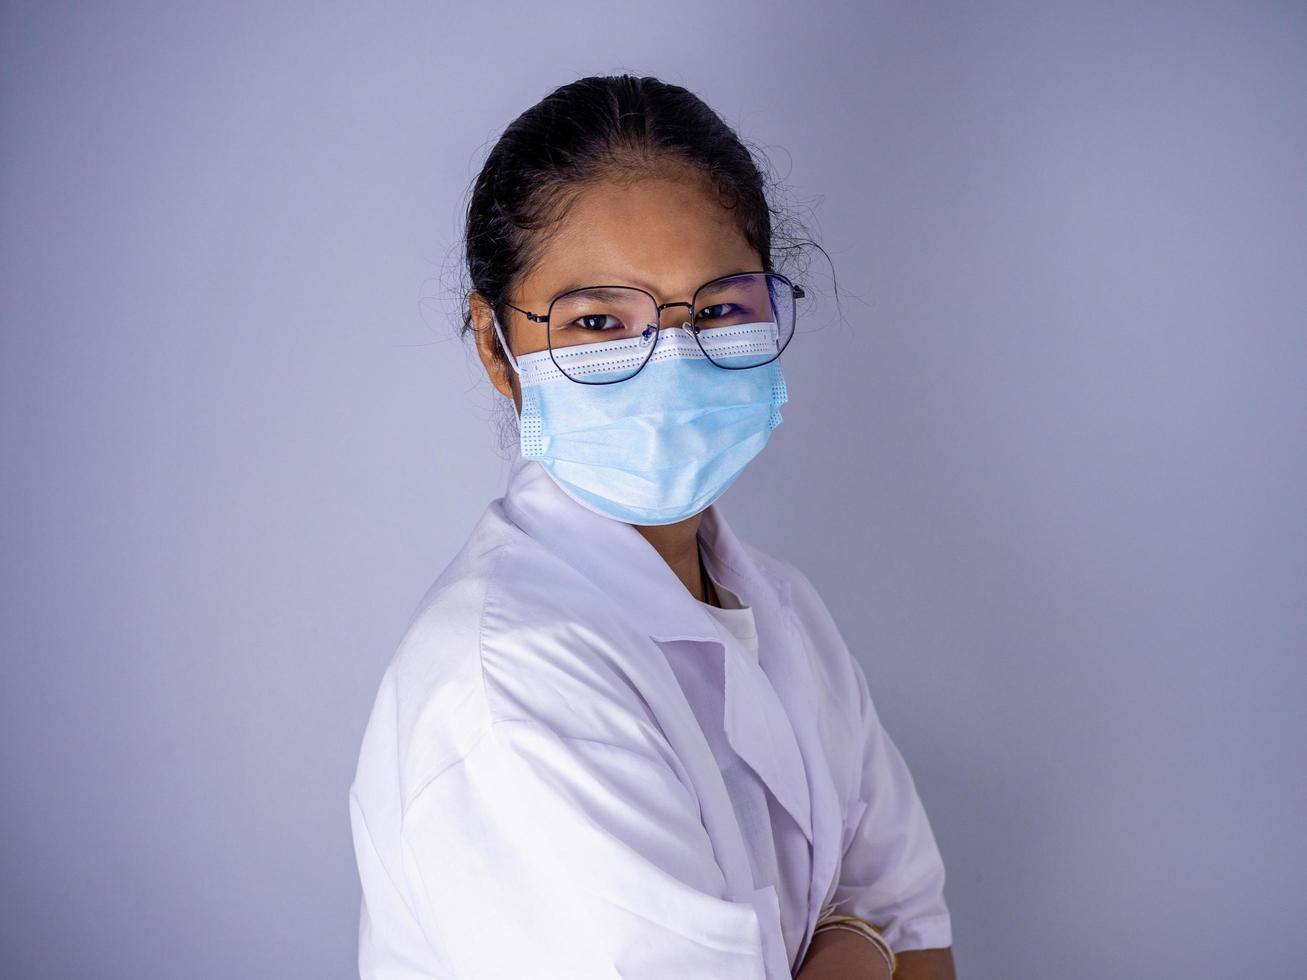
<point>663,445</point>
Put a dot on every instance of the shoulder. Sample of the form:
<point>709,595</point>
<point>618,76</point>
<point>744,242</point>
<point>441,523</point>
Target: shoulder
<point>507,632</point>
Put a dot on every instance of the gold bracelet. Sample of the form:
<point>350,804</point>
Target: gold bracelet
<point>881,947</point>
<point>865,929</point>
<point>832,914</point>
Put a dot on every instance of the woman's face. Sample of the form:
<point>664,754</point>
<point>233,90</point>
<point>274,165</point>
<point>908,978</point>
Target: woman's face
<point>664,234</point>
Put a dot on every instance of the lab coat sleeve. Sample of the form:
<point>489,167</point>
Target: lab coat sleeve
<point>547,855</point>
<point>892,873</point>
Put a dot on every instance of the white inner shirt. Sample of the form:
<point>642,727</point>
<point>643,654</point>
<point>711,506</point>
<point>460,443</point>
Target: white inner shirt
<point>735,616</point>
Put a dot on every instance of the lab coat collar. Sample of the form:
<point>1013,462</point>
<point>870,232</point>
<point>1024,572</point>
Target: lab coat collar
<point>614,555</point>
<point>611,553</point>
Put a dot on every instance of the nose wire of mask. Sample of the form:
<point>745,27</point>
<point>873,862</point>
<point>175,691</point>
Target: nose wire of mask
<point>663,445</point>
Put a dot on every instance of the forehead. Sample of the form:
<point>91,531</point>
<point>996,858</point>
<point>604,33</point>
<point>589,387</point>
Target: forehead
<point>665,234</point>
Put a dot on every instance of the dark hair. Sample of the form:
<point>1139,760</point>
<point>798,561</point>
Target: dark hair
<point>603,127</point>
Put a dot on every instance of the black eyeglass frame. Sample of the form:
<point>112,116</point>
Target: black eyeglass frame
<point>796,292</point>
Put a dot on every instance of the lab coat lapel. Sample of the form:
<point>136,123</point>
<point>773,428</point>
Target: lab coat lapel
<point>757,721</point>
<point>757,729</point>
<point>788,664</point>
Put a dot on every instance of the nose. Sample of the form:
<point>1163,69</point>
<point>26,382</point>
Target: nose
<point>673,315</point>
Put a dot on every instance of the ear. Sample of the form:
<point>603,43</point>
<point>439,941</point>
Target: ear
<point>501,374</point>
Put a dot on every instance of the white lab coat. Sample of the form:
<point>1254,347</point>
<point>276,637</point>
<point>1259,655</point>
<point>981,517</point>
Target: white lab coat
<point>535,796</point>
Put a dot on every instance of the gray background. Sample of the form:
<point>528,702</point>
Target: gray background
<point>1046,459</point>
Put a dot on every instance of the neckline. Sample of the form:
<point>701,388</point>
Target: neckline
<point>712,596</point>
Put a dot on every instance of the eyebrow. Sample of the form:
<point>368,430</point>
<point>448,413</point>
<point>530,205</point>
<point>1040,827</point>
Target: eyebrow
<point>645,286</point>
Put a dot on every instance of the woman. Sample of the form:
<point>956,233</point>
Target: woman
<point>617,741</point>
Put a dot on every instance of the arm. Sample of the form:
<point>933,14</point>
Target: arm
<point>836,954</point>
<point>925,964</point>
<point>839,955</point>
<point>892,873</point>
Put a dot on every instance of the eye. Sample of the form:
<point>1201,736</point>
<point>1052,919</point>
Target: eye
<point>595,321</point>
<point>707,314</point>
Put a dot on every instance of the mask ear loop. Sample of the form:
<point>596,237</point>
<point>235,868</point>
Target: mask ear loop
<point>499,331</point>
<point>504,343</point>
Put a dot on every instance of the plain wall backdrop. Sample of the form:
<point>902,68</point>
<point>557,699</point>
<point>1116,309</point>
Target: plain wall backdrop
<point>1045,460</point>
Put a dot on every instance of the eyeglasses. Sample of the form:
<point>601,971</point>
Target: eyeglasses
<point>606,334</point>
